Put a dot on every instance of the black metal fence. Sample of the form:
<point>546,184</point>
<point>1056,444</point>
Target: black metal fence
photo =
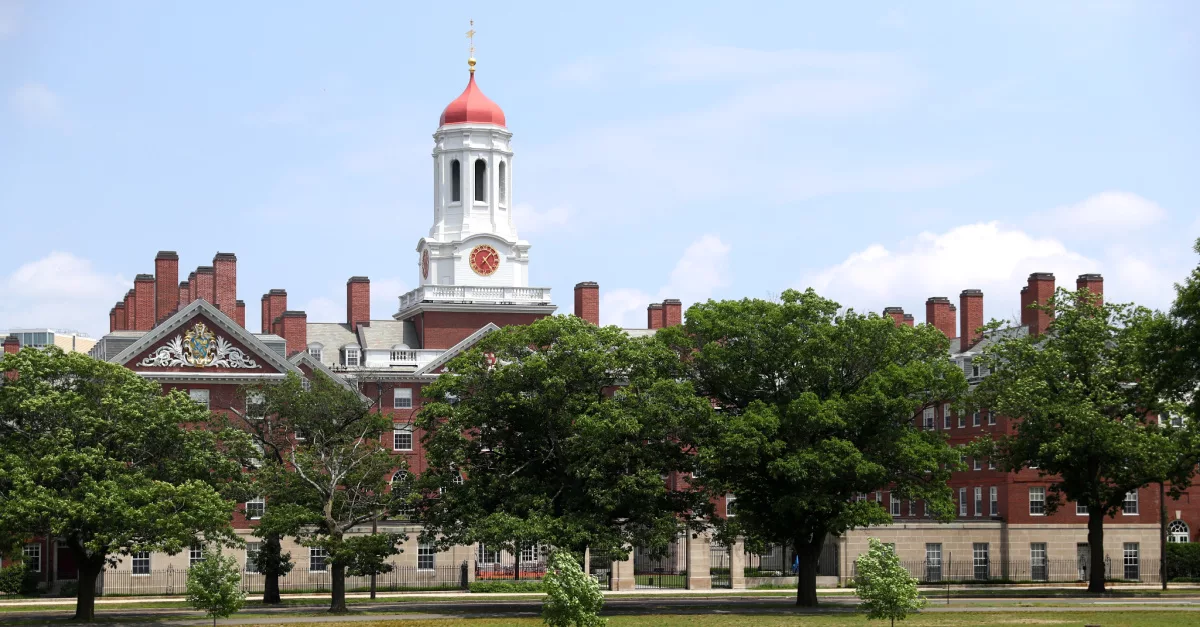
<point>509,572</point>
<point>1026,571</point>
<point>780,561</point>
<point>173,581</point>
<point>718,565</point>
<point>652,571</point>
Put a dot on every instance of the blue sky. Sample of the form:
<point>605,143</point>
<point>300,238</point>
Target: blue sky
<point>880,152</point>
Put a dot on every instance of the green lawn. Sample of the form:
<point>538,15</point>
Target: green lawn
<point>981,619</point>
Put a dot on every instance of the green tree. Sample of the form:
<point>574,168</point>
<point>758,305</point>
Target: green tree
<point>97,456</point>
<point>1084,414</point>
<point>817,407</point>
<point>886,588</point>
<point>214,586</point>
<point>565,440</point>
<point>334,476</point>
<point>573,598</point>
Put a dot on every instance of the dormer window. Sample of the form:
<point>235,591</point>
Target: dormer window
<point>314,351</point>
<point>350,356</point>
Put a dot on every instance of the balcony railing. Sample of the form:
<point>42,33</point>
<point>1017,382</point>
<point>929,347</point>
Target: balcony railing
<point>475,294</point>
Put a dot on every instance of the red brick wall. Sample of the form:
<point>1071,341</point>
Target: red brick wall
<point>443,329</point>
<point>672,312</point>
<point>119,310</point>
<point>294,328</point>
<point>587,301</point>
<point>654,316</point>
<point>277,304</point>
<point>970,316</point>
<point>939,314</point>
<point>191,288</point>
<point>130,311</point>
<point>1093,282</point>
<point>205,280</point>
<point>895,313</point>
<point>358,301</point>
<point>166,277</point>
<point>1041,288</point>
<point>240,313</point>
<point>225,283</point>
<point>143,302</point>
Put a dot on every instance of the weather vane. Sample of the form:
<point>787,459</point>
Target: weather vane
<point>471,38</point>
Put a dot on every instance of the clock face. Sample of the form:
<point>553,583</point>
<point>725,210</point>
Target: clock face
<point>484,260</point>
<point>425,264</point>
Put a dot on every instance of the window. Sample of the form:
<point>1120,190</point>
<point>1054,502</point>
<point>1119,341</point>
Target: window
<point>141,563</point>
<point>1037,561</point>
<point>195,555</point>
<point>200,396</point>
<point>255,508</point>
<point>894,503</point>
<point>402,398</point>
<point>878,496</point>
<point>256,406</point>
<point>1177,532</point>
<point>933,562</point>
<point>425,556</point>
<point>400,483</point>
<point>925,508</point>
<point>350,356</point>
<point>314,351</point>
<point>991,465</point>
<point>975,464</point>
<point>1130,506</point>
<point>252,549</point>
<point>480,180</point>
<point>975,419</point>
<point>485,556</point>
<point>455,181</point>
<point>729,508</point>
<point>316,560</point>
<point>928,419</point>
<point>946,416</point>
<point>1037,501</point>
<point>991,417</point>
<point>962,501</point>
<point>531,553</point>
<point>1132,567</point>
<point>979,501</point>
<point>979,553</point>
<point>402,437</point>
<point>1081,510</point>
<point>974,370</point>
<point>1175,420</point>
<point>962,420</point>
<point>994,499</point>
<point>912,507</point>
<point>33,556</point>
<point>503,183</point>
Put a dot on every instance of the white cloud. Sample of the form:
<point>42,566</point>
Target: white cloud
<point>60,291</point>
<point>529,220</point>
<point>986,256</point>
<point>10,17</point>
<point>385,295</point>
<point>1112,211</point>
<point>700,272</point>
<point>322,309</point>
<point>35,102</point>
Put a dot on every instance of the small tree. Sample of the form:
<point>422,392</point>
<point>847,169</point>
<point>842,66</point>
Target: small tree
<point>215,585</point>
<point>573,598</point>
<point>885,587</point>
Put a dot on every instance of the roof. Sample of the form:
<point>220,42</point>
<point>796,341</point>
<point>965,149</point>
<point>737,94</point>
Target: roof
<point>388,334</point>
<point>472,107</point>
<point>332,336</point>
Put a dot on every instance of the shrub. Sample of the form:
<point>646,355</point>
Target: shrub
<point>215,586</point>
<point>16,578</point>
<point>69,589</point>
<point>573,598</point>
<point>1183,560</point>
<point>885,587</point>
<point>509,586</point>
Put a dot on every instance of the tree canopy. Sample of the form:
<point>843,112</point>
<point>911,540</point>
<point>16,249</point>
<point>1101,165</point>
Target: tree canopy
<point>816,408</point>
<point>559,432</point>
<point>94,454</point>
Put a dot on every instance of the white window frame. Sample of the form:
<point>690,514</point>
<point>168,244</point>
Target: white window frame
<point>139,564</point>
<point>260,505</point>
<point>946,418</point>
<point>195,554</point>
<point>976,464</point>
<point>201,396</point>
<point>981,556</point>
<point>317,560</point>
<point>258,400</point>
<point>1081,510</point>
<point>399,431</point>
<point>928,419</point>
<point>962,420</point>
<point>1131,558</point>
<point>994,501</point>
<point>426,556</point>
<point>729,501</point>
<point>347,353</point>
<point>1130,503</point>
<point>316,351</point>
<point>252,551</point>
<point>1178,532</point>
<point>486,556</point>
<point>991,417</point>
<point>962,501</point>
<point>975,419</point>
<point>1037,501</point>
<point>893,504</point>
<point>978,502</point>
<point>912,508</point>
<point>402,398</point>
<point>32,553</point>
<point>991,464</point>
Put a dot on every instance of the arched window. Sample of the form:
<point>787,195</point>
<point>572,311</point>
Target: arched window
<point>480,180</point>
<point>1177,531</point>
<point>455,181</point>
<point>401,476</point>
<point>503,183</point>
<point>400,483</point>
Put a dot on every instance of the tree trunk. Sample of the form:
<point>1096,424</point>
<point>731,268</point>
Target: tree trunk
<point>517,565</point>
<point>806,577</point>
<point>1162,534</point>
<point>337,575</point>
<point>271,579</point>
<point>1096,549</point>
<point>85,599</point>
<point>375,525</point>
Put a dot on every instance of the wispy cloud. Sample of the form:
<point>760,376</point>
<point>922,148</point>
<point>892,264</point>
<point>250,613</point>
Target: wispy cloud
<point>60,290</point>
<point>1112,212</point>
<point>36,103</point>
<point>701,271</point>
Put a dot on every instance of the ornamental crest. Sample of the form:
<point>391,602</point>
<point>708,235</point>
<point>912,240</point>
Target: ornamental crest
<point>199,348</point>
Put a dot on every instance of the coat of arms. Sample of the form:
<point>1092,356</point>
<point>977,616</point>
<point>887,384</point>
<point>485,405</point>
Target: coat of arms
<point>199,347</point>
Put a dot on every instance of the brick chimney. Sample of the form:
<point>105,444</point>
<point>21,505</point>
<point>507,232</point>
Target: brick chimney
<point>587,301</point>
<point>166,276</point>
<point>294,329</point>
<point>939,313</point>
<point>130,312</point>
<point>970,305</point>
<point>358,301</point>
<point>185,290</point>
<point>654,316</point>
<point>225,283</point>
<point>672,312</point>
<point>895,313</point>
<point>909,320</point>
<point>206,278</point>
<point>191,283</point>
<point>1040,289</point>
<point>120,317</point>
<point>143,301</point>
<point>1092,282</point>
<point>112,320</point>
<point>11,344</point>
<point>240,313</point>
<point>276,303</point>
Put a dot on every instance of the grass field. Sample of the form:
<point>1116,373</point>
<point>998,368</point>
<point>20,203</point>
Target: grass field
<point>982,619</point>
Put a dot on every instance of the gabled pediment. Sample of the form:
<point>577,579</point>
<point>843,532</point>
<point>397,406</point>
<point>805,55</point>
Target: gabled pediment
<point>439,363</point>
<point>199,341</point>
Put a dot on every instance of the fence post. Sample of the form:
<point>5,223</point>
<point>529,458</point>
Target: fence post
<point>463,580</point>
<point>170,579</point>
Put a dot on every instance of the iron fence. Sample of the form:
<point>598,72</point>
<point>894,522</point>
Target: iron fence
<point>718,565</point>
<point>509,572</point>
<point>654,571</point>
<point>780,561</point>
<point>173,581</point>
<point>1026,571</point>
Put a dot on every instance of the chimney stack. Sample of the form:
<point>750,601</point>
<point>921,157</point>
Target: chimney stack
<point>587,301</point>
<point>970,305</point>
<point>1040,289</point>
<point>672,312</point>
<point>112,319</point>
<point>130,312</point>
<point>654,316</point>
<point>909,320</point>
<point>940,313</point>
<point>276,304</point>
<point>240,313</point>
<point>11,344</point>
<point>895,313</point>
<point>121,325</point>
<point>184,293</point>
<point>358,301</point>
<point>206,277</point>
<point>1093,283</point>
<point>191,283</point>
<point>294,329</point>
<point>225,283</point>
<point>143,301</point>
<point>166,273</point>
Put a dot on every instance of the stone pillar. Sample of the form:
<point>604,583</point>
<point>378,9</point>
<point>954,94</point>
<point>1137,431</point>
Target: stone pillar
<point>698,575</point>
<point>622,575</point>
<point>737,565</point>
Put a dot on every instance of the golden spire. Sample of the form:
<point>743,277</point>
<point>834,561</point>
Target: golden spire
<point>471,38</point>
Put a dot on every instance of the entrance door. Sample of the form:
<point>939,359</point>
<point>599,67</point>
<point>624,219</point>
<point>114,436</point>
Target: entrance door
<point>1083,555</point>
<point>65,567</point>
